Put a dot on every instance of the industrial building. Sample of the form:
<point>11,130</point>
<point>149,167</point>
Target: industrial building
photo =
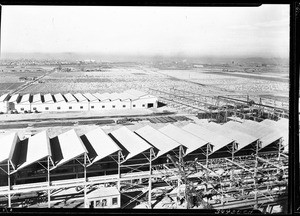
<point>130,99</point>
<point>135,160</point>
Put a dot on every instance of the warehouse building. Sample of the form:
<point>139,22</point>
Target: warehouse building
<point>131,99</point>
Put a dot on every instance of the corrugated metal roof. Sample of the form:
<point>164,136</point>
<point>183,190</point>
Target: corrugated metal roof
<point>218,141</point>
<point>102,97</point>
<point>80,97</point>
<point>101,143</point>
<point>37,98</point>
<point>14,98</point>
<point>25,98</point>
<point>48,98</point>
<point>183,137</point>
<point>7,144</point>
<point>38,148</point>
<point>131,141</point>
<point>3,97</point>
<point>159,140</point>
<point>70,98</point>
<point>59,98</point>
<point>91,97</point>
<point>71,147</point>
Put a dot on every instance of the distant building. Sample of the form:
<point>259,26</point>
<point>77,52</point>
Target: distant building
<point>104,197</point>
<point>130,99</point>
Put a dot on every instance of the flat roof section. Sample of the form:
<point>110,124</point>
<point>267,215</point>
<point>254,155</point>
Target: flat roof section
<point>80,97</point>
<point>59,98</point>
<point>130,141</point>
<point>48,98</point>
<point>37,148</point>
<point>99,144</point>
<point>218,141</point>
<point>183,137</point>
<point>4,97</point>
<point>90,97</point>
<point>70,98</point>
<point>65,147</point>
<point>159,140</point>
<point>7,145</point>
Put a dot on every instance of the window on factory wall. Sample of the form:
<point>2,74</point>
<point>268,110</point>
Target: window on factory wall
<point>143,105</point>
<point>46,108</point>
<point>22,108</point>
<point>103,106</point>
<point>92,107</point>
<point>133,105</point>
<point>34,108</point>
<point>81,107</point>
<point>104,202</point>
<point>113,106</point>
<point>58,108</point>
<point>70,107</point>
<point>124,106</point>
<point>115,201</point>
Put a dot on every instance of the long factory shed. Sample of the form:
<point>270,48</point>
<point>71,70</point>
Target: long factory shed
<point>130,99</point>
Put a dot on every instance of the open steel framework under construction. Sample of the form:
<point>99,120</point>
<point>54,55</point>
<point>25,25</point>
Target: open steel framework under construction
<point>247,161</point>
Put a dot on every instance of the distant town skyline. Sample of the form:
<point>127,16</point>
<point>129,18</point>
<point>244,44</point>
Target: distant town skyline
<point>171,31</point>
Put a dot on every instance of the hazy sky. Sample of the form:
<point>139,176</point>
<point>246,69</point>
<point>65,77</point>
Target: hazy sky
<point>245,31</point>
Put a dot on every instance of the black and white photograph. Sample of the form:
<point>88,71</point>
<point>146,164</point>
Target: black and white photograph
<point>139,107</point>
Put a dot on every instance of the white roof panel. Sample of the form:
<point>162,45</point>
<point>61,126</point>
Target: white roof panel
<point>218,141</point>
<point>38,148</point>
<point>102,97</point>
<point>131,141</point>
<point>3,97</point>
<point>25,98</point>
<point>125,96</point>
<point>136,93</point>
<point>80,97</point>
<point>101,143</point>
<point>114,96</point>
<point>159,140</point>
<point>91,97</point>
<point>48,98</point>
<point>37,98</point>
<point>71,147</point>
<point>59,98</point>
<point>103,192</point>
<point>14,98</point>
<point>70,98</point>
<point>7,144</point>
<point>183,137</point>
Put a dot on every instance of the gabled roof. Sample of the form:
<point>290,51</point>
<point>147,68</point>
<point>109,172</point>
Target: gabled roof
<point>114,96</point>
<point>183,137</point>
<point>80,97</point>
<point>218,141</point>
<point>14,98</point>
<point>241,138</point>
<point>4,97</point>
<point>25,98</point>
<point>65,147</point>
<point>159,140</point>
<point>38,147</point>
<point>130,141</point>
<point>59,98</point>
<point>136,93</point>
<point>70,98</point>
<point>37,98</point>
<point>102,97</point>
<point>99,145</point>
<point>125,96</point>
<point>91,97</point>
<point>48,98</point>
<point>7,145</point>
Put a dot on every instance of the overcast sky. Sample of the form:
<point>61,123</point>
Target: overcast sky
<point>246,31</point>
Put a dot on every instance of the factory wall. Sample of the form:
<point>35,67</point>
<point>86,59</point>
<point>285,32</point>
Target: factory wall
<point>22,107</point>
<point>4,107</point>
<point>145,103</point>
